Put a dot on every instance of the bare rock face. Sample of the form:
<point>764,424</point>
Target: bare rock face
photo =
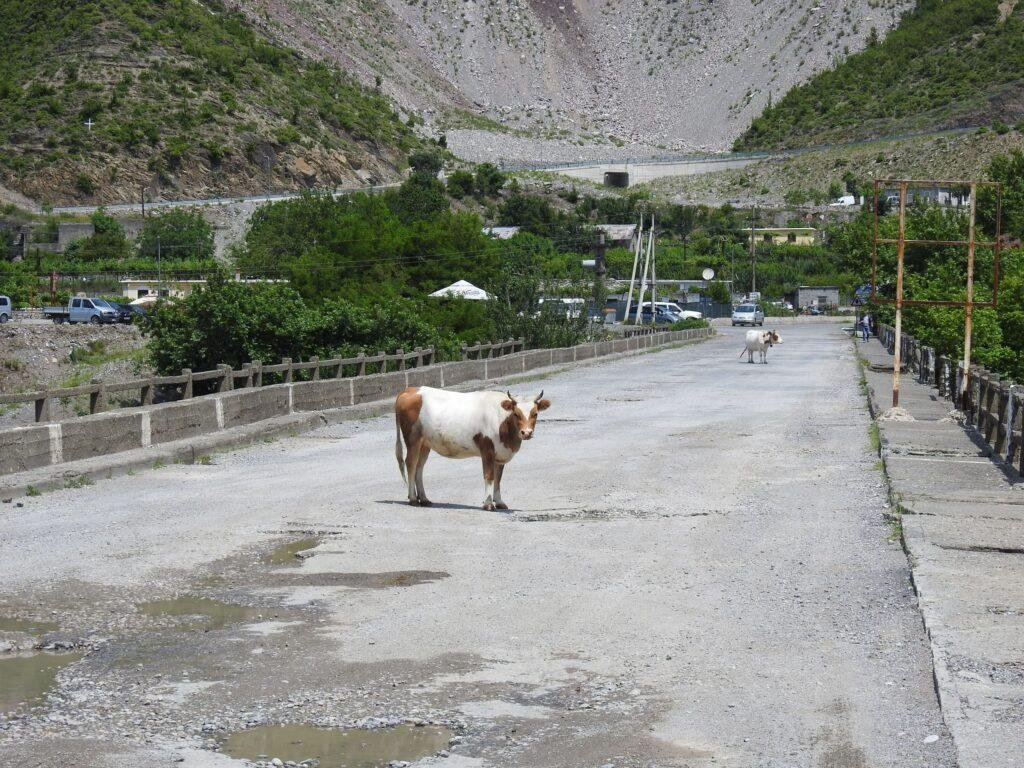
<point>301,169</point>
<point>639,76</point>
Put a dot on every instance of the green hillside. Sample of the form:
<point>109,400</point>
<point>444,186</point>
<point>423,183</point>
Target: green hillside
<point>949,63</point>
<point>97,97</point>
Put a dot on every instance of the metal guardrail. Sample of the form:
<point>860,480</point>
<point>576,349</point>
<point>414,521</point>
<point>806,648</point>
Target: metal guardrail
<point>991,404</point>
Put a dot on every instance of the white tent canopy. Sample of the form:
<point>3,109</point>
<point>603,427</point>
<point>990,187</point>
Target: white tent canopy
<point>462,289</point>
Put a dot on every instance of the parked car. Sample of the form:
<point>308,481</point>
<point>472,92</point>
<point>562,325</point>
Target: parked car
<point>82,309</point>
<point>663,316</point>
<point>671,306</point>
<point>6,309</point>
<point>126,313</point>
<point>748,314</point>
<point>816,311</point>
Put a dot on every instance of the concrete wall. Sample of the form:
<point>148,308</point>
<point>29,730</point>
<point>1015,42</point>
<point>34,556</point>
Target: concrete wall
<point>25,448</point>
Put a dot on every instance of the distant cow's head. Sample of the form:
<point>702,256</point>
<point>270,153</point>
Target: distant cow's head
<point>522,419</point>
<point>776,337</point>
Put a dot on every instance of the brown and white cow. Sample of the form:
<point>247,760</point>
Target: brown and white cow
<point>458,425</point>
<point>760,342</point>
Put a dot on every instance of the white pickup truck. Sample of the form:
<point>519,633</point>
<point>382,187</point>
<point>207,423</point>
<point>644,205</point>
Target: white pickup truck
<point>82,309</point>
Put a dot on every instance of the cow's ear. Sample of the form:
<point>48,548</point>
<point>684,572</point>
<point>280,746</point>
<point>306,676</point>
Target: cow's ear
<point>543,405</point>
<point>508,405</point>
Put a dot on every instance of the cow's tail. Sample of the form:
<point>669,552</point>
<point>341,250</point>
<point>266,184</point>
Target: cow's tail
<point>399,453</point>
<point>743,351</point>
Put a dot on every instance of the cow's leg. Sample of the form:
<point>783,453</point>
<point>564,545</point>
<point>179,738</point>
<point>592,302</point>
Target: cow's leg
<point>421,494</point>
<point>486,447</point>
<point>750,356</point>
<point>499,470</point>
<point>414,446</point>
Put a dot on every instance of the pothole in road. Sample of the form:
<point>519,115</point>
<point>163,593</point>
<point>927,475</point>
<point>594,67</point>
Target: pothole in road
<point>28,626</point>
<point>25,679</point>
<point>200,612</point>
<point>288,554</point>
<point>383,580</point>
<point>336,748</point>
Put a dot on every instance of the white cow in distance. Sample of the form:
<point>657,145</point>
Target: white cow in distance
<point>760,341</point>
<point>491,425</point>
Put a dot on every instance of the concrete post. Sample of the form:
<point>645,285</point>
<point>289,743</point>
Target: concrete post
<point>98,399</point>
<point>401,359</point>
<point>419,356</point>
<point>257,373</point>
<point>43,407</point>
<point>186,389</point>
<point>287,371</point>
<point>1002,431</point>
<point>146,395</point>
<point>362,364</point>
<point>227,382</point>
<point>315,360</point>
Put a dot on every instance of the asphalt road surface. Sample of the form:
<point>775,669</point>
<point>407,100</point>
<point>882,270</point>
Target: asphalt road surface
<point>696,571</point>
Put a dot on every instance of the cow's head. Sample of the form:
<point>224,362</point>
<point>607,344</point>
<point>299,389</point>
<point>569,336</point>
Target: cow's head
<point>776,337</point>
<point>525,414</point>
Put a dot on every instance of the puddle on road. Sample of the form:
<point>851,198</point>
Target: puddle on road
<point>204,613</point>
<point>285,554</point>
<point>336,748</point>
<point>10,624</point>
<point>25,679</point>
<point>382,580</point>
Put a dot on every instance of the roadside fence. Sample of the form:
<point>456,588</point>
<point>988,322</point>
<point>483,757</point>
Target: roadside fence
<point>991,404</point>
<point>224,378</point>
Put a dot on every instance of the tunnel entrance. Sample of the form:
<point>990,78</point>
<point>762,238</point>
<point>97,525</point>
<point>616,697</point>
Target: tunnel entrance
<point>616,178</point>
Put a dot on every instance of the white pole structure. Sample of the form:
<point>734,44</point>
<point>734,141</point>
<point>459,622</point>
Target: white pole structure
<point>654,278</point>
<point>643,281</point>
<point>636,258</point>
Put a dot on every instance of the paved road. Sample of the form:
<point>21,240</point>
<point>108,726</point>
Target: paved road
<point>696,572</point>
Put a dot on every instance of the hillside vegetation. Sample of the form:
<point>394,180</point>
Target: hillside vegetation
<point>948,63</point>
<point>100,98</point>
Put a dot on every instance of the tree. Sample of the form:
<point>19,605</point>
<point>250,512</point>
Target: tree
<point>181,234</point>
<point>426,162</point>
<point>489,180</point>
<point>460,184</point>
<point>1009,171</point>
<point>420,197</point>
<point>719,292</point>
<point>106,242</point>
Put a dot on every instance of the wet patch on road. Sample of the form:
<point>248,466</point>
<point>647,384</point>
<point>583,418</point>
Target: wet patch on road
<point>336,747</point>
<point>26,626</point>
<point>291,553</point>
<point>191,612</point>
<point>25,679</point>
<point>384,580</point>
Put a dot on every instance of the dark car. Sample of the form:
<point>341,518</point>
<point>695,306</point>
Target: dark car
<point>127,313</point>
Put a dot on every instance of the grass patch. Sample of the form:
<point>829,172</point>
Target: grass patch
<point>82,481</point>
<point>33,491</point>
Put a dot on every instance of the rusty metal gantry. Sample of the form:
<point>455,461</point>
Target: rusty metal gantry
<point>901,241</point>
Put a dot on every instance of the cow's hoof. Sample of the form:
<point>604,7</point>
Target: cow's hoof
<point>501,505</point>
<point>414,502</point>
<point>489,506</point>
<point>426,503</point>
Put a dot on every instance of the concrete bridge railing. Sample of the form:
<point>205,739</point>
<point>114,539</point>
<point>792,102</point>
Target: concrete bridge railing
<point>102,433</point>
<point>991,404</point>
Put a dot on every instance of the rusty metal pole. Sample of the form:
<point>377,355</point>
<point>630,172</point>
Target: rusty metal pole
<point>969,306</point>
<point>900,246</point>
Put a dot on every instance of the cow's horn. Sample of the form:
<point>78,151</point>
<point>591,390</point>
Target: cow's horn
<point>509,394</point>
<point>538,398</point>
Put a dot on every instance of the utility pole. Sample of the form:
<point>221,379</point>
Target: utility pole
<point>643,280</point>
<point>654,280</point>
<point>753,253</point>
<point>143,201</point>
<point>159,267</point>
<point>636,259</point>
<point>600,270</point>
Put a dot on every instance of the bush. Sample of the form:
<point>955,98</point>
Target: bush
<point>181,234</point>
<point>460,184</point>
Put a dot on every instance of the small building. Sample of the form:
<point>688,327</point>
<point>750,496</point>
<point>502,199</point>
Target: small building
<point>618,235</point>
<point>784,235</point>
<point>136,288</point>
<point>501,233</point>
<point>817,296</point>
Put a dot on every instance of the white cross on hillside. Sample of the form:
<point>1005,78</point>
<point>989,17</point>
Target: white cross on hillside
<point>88,124</point>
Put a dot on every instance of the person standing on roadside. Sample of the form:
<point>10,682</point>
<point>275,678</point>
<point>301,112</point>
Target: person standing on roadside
<point>865,326</point>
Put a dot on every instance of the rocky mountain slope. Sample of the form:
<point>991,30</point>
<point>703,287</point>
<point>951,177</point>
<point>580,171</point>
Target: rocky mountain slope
<point>949,63</point>
<point>659,74</point>
<point>99,99</point>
